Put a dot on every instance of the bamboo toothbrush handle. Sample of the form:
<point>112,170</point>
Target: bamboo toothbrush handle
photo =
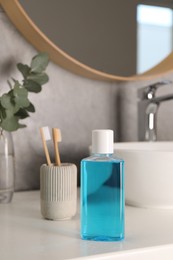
<point>57,157</point>
<point>56,139</point>
<point>45,148</point>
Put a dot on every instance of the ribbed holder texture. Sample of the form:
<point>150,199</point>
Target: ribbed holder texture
<point>58,191</point>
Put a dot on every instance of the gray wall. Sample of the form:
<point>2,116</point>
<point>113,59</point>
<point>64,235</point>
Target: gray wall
<point>74,104</point>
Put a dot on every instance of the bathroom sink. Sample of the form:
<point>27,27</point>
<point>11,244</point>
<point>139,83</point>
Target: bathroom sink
<point>148,173</point>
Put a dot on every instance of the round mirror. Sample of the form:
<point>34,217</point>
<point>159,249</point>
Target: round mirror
<point>99,39</point>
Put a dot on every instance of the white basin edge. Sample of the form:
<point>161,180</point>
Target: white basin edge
<point>156,252</point>
<point>144,146</point>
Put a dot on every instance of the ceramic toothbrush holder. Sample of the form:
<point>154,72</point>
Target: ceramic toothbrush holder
<point>58,191</point>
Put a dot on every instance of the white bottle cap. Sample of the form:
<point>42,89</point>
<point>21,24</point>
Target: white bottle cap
<point>102,141</point>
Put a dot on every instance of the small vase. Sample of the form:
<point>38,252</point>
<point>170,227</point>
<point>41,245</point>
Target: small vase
<point>6,167</point>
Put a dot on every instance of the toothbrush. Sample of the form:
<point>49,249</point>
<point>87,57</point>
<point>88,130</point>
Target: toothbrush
<point>45,135</point>
<point>56,133</point>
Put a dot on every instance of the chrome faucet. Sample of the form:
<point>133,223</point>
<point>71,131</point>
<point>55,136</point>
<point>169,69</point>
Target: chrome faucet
<point>148,105</point>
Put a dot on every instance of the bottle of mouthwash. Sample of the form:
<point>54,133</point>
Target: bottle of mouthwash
<point>102,191</point>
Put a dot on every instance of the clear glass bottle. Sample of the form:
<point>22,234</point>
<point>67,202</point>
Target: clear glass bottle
<point>6,167</point>
<point>102,191</point>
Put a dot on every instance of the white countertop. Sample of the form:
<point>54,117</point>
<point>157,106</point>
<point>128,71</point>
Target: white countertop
<point>25,235</point>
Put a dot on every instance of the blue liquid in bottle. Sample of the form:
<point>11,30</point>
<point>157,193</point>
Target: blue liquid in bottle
<point>102,198</point>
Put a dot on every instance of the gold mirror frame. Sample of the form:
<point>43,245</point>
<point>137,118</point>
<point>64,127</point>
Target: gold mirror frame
<point>33,34</point>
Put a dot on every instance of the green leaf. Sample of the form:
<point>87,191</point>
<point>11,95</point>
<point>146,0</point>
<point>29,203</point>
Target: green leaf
<point>20,91</point>
<point>30,108</point>
<point>16,83</point>
<point>32,86</point>
<point>40,78</point>
<point>24,69</point>
<point>10,123</point>
<point>2,112</point>
<point>21,101</point>
<point>8,104</point>
<point>21,97</point>
<point>15,105</point>
<point>6,101</point>
<point>22,113</point>
<point>39,62</point>
<point>9,113</point>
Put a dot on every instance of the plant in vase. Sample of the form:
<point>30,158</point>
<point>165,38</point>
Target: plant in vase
<point>15,106</point>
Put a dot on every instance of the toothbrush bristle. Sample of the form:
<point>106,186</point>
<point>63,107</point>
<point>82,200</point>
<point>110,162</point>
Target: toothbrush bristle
<point>46,133</point>
<point>59,135</point>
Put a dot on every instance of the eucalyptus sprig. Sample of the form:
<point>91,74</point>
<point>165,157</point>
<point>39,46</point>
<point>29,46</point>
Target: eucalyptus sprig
<point>15,105</point>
